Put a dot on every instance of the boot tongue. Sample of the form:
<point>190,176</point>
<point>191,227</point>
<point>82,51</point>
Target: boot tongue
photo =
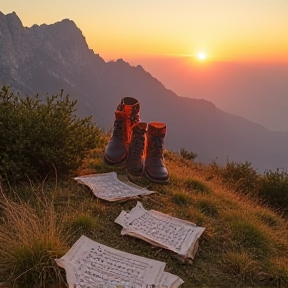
<point>132,112</point>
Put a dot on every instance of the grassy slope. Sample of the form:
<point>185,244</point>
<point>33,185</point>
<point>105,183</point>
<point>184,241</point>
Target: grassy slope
<point>244,244</point>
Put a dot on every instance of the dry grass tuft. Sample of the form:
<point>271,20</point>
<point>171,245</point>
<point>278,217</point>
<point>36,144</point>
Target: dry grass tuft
<point>31,238</point>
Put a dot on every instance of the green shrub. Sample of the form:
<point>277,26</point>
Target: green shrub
<point>274,189</point>
<point>241,176</point>
<point>37,136</point>
<point>187,155</point>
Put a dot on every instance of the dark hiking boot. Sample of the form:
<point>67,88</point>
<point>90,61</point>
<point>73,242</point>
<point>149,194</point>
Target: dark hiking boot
<point>126,115</point>
<point>116,150</point>
<point>131,107</point>
<point>155,169</point>
<point>135,158</point>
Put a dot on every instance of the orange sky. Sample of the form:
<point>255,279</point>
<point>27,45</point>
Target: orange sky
<point>238,30</point>
<point>165,37</point>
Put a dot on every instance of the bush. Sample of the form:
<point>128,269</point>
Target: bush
<point>187,155</point>
<point>241,176</point>
<point>274,189</point>
<point>37,136</point>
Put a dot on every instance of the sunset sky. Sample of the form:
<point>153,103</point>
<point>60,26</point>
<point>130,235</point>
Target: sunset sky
<point>233,53</point>
<point>241,30</point>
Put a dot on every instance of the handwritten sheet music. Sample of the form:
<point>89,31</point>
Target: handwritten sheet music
<point>108,187</point>
<point>89,264</point>
<point>161,230</point>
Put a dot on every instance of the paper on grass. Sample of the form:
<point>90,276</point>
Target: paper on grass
<point>161,230</point>
<point>89,264</point>
<point>108,187</point>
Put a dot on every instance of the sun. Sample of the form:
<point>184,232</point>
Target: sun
<point>201,56</point>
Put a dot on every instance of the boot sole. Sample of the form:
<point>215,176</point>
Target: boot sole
<point>136,174</point>
<point>109,162</point>
<point>156,180</point>
<point>134,178</point>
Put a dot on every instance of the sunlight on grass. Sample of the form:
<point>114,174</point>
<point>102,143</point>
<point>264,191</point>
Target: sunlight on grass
<point>83,222</point>
<point>238,263</point>
<point>181,198</point>
<point>31,238</point>
<point>196,186</point>
<point>208,207</point>
<point>244,243</point>
<point>248,235</point>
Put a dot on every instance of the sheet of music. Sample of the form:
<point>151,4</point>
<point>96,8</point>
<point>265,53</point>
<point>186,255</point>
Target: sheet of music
<point>108,187</point>
<point>91,264</point>
<point>161,230</point>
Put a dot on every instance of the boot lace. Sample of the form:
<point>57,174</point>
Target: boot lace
<point>119,128</point>
<point>134,117</point>
<point>156,149</point>
<point>136,146</point>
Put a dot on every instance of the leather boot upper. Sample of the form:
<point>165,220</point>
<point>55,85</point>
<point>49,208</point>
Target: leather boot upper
<point>126,115</point>
<point>131,107</point>
<point>155,169</point>
<point>135,158</point>
<point>116,150</point>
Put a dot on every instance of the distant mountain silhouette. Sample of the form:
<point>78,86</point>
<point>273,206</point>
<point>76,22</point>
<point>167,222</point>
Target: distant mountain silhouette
<point>47,58</point>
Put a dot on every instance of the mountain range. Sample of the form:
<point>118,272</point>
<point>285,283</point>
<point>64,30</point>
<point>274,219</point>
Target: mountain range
<point>47,58</point>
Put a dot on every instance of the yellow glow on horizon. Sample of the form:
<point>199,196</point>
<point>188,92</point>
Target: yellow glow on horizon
<point>121,29</point>
<point>201,56</point>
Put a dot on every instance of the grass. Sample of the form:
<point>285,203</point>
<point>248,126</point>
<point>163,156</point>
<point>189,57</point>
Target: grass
<point>31,238</point>
<point>244,244</point>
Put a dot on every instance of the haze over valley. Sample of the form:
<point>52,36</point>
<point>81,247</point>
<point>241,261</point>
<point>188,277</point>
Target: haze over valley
<point>257,91</point>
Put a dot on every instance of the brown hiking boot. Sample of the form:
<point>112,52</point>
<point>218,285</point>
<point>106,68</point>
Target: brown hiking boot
<point>135,158</point>
<point>155,169</point>
<point>126,115</point>
<point>131,107</point>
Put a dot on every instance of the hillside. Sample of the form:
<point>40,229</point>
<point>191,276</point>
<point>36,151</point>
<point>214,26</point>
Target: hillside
<point>47,58</point>
<point>236,250</point>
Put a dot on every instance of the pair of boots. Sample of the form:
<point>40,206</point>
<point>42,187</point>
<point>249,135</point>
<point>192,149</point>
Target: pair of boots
<point>139,143</point>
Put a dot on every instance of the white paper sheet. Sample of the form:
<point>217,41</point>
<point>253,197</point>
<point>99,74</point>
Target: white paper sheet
<point>108,187</point>
<point>89,264</point>
<point>161,230</point>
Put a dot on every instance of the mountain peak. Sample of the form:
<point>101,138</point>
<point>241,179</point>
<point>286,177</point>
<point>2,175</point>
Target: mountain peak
<point>66,24</point>
<point>11,20</point>
<point>61,27</point>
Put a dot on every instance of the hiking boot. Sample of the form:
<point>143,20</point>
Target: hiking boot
<point>155,169</point>
<point>131,107</point>
<point>135,158</point>
<point>126,115</point>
